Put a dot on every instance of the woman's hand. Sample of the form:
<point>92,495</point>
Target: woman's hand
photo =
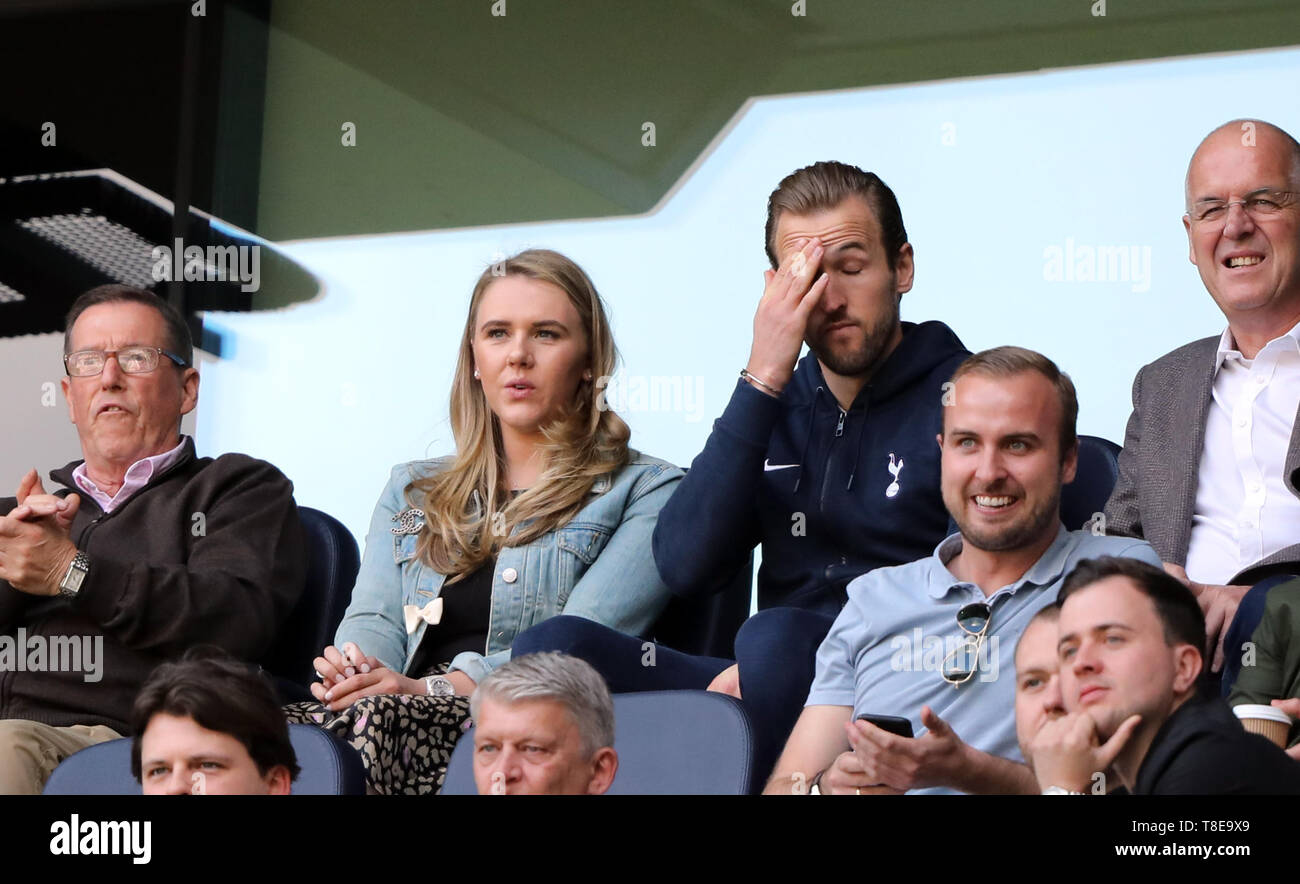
<point>347,675</point>
<point>335,666</point>
<point>378,680</point>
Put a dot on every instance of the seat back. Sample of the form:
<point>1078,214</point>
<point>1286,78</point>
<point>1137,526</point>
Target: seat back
<point>668,743</point>
<point>329,767</point>
<point>332,564</point>
<point>707,625</point>
<point>1093,482</point>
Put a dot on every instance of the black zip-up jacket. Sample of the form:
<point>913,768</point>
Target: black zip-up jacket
<point>1202,749</point>
<point>210,551</point>
<point>815,484</point>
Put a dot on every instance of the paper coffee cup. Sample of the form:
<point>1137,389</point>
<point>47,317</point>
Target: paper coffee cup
<point>1267,721</point>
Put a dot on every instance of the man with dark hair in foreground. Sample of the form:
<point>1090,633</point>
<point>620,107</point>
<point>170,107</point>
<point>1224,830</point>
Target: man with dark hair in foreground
<point>209,725</point>
<point>1130,643</point>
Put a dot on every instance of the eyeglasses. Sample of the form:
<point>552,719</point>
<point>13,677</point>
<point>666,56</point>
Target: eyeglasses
<point>132,360</point>
<point>962,661</point>
<point>1259,205</point>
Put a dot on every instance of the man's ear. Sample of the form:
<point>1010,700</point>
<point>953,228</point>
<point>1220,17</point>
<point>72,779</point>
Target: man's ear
<point>604,766</point>
<point>1188,663</point>
<point>189,390</point>
<point>1191,249</point>
<point>278,781</point>
<point>65,384</point>
<point>938,437</point>
<point>904,270</point>
<point>1070,466</point>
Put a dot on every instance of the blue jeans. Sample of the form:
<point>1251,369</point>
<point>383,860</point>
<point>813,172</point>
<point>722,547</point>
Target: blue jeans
<point>776,650</point>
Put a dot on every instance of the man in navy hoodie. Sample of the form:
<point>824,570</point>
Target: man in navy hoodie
<point>828,461</point>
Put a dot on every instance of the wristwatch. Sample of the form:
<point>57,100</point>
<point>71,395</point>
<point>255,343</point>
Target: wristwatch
<point>77,570</point>
<point>439,686</point>
<point>1058,790</point>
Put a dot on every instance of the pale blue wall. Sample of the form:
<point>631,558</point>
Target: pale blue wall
<point>990,173</point>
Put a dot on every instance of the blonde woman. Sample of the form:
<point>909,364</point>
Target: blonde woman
<point>543,510</point>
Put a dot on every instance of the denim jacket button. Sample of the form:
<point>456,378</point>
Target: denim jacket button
<point>509,575</point>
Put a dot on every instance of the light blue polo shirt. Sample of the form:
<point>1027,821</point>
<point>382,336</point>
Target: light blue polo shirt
<point>884,654</point>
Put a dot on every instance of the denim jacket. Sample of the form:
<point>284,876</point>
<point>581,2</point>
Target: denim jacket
<point>598,566</point>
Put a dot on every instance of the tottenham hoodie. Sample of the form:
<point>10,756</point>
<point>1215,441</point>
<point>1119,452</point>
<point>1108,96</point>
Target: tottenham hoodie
<point>829,493</point>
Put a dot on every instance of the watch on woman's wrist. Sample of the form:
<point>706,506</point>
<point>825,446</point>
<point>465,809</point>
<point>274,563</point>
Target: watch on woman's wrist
<point>439,686</point>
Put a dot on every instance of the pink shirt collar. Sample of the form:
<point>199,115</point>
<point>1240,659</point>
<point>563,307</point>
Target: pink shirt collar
<point>137,476</point>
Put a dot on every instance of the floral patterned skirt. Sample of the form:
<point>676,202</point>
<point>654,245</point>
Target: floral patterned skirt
<point>405,741</point>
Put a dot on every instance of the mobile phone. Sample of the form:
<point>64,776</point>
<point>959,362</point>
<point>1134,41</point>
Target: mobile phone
<point>893,724</point>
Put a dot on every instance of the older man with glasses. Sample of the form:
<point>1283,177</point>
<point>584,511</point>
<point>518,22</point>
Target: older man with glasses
<point>925,641</point>
<point>1210,473</point>
<point>145,551</point>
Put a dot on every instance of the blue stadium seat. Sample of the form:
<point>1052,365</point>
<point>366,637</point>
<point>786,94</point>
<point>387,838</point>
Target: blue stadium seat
<point>329,767</point>
<point>1093,482</point>
<point>332,565</point>
<point>707,625</point>
<point>668,742</point>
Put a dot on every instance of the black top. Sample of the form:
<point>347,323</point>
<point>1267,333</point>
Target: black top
<point>1202,749</point>
<point>466,610</point>
<point>157,586</point>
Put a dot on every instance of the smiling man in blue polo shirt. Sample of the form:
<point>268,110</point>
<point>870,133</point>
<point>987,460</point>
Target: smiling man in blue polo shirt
<point>1008,445</point>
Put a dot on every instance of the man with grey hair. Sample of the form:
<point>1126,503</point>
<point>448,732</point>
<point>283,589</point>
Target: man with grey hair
<point>1210,472</point>
<point>544,725</point>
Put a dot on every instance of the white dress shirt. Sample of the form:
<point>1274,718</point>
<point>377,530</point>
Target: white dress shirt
<point>1244,511</point>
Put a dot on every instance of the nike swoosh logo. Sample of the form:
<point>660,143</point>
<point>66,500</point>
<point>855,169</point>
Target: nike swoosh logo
<point>768,466</point>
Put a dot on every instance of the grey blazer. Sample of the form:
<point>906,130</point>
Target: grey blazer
<point>1155,495</point>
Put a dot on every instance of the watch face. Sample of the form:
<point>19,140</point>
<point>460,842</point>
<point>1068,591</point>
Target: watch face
<point>73,579</point>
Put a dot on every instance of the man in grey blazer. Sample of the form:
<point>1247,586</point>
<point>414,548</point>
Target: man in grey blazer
<point>1210,472</point>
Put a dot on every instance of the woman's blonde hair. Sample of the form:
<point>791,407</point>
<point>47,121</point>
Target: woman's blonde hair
<point>469,513</point>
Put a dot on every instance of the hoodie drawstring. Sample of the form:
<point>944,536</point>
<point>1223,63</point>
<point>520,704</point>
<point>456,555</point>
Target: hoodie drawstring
<point>857,450</point>
<point>807,437</point>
